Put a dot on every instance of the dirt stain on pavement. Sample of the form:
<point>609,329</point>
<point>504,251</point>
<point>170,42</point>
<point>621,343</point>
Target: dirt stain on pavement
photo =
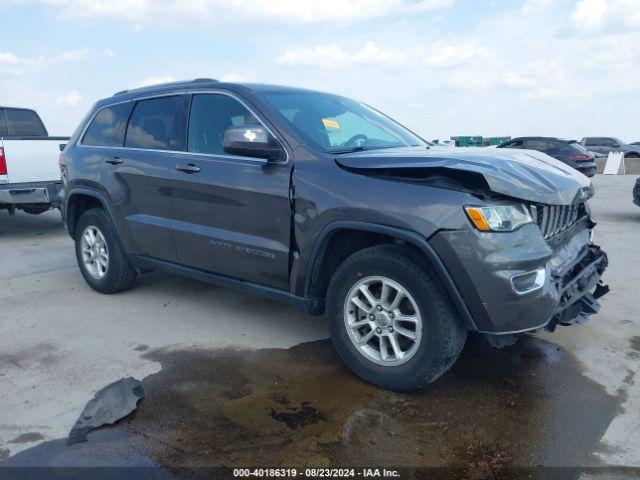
<point>496,410</point>
<point>28,437</point>
<point>42,354</point>
<point>635,348</point>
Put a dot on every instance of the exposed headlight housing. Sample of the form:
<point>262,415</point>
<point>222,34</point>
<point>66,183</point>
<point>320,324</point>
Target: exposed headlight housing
<point>499,218</point>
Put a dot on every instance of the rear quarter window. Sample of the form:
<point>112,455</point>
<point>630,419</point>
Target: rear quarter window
<point>20,122</point>
<point>107,127</point>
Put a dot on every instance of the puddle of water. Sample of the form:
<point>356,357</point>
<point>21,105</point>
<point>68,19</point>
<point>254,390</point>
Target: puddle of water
<point>495,412</point>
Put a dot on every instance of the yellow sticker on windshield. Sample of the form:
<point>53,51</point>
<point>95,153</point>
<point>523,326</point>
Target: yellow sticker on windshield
<point>330,123</point>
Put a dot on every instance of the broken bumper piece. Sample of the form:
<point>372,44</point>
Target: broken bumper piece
<point>579,287</point>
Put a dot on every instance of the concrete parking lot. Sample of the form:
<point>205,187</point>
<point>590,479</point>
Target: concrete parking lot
<point>235,380</point>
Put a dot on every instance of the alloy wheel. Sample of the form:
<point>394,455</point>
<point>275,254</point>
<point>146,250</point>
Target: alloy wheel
<point>383,321</point>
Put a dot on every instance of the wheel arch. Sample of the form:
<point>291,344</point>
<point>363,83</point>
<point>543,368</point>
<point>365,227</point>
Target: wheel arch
<point>79,201</point>
<point>324,260</point>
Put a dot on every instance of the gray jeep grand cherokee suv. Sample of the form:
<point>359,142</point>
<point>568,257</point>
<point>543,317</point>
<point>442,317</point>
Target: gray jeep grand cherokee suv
<point>328,203</point>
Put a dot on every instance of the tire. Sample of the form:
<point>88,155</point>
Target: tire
<point>116,274</point>
<point>632,155</point>
<point>441,334</point>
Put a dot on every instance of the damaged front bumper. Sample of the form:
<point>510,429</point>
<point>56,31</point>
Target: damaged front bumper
<point>520,282</point>
<point>575,285</point>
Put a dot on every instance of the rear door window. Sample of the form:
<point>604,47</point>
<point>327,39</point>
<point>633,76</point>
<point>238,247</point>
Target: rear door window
<point>24,123</point>
<point>152,124</point>
<point>107,127</point>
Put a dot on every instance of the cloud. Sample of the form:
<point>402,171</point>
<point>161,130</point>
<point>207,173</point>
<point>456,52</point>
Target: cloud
<point>12,64</point>
<point>144,12</point>
<point>110,53</point>
<point>451,55</point>
<point>322,56</point>
<point>73,55</point>
<point>148,81</point>
<point>233,78</point>
<point>70,99</point>
<point>606,14</point>
<point>436,55</point>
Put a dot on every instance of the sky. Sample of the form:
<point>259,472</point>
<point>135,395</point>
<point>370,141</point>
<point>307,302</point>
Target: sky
<point>567,68</point>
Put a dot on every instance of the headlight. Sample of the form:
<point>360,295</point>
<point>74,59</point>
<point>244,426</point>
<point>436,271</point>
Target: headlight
<point>499,218</point>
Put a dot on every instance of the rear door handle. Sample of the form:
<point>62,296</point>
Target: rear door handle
<point>114,161</point>
<point>189,168</point>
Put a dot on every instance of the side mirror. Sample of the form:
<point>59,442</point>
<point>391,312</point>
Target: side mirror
<point>252,141</point>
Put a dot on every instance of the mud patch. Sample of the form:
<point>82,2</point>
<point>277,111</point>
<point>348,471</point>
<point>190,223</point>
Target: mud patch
<point>297,417</point>
<point>495,411</point>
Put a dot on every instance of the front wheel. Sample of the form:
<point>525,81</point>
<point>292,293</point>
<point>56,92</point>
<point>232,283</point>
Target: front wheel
<point>100,255</point>
<point>391,321</point>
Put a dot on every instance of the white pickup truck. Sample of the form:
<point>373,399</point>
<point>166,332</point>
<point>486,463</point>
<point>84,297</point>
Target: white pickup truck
<point>29,170</point>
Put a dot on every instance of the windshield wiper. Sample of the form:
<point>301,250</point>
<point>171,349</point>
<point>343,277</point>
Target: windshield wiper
<point>359,148</point>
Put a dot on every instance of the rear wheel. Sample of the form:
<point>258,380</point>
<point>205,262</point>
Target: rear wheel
<point>100,256</point>
<point>632,155</point>
<point>391,321</point>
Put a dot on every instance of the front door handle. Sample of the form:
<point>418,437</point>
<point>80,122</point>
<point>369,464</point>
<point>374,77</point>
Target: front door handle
<point>114,161</point>
<point>189,168</point>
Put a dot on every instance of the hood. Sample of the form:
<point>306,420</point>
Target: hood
<point>524,174</point>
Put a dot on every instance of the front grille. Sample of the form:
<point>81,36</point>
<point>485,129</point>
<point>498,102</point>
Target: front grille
<point>555,219</point>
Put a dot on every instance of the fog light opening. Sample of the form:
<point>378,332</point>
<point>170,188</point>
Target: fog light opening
<point>528,282</point>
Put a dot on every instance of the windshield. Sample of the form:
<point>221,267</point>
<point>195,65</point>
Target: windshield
<point>338,125</point>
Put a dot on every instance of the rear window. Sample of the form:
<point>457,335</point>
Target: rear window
<point>513,144</point>
<point>23,123</point>
<point>573,147</point>
<point>107,127</point>
<point>151,123</point>
<point>536,144</point>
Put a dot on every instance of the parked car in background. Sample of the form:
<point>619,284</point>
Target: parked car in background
<point>324,202</point>
<point>29,171</point>
<point>569,152</point>
<point>606,145</point>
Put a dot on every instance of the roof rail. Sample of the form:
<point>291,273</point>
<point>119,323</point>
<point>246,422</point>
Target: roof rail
<point>159,85</point>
